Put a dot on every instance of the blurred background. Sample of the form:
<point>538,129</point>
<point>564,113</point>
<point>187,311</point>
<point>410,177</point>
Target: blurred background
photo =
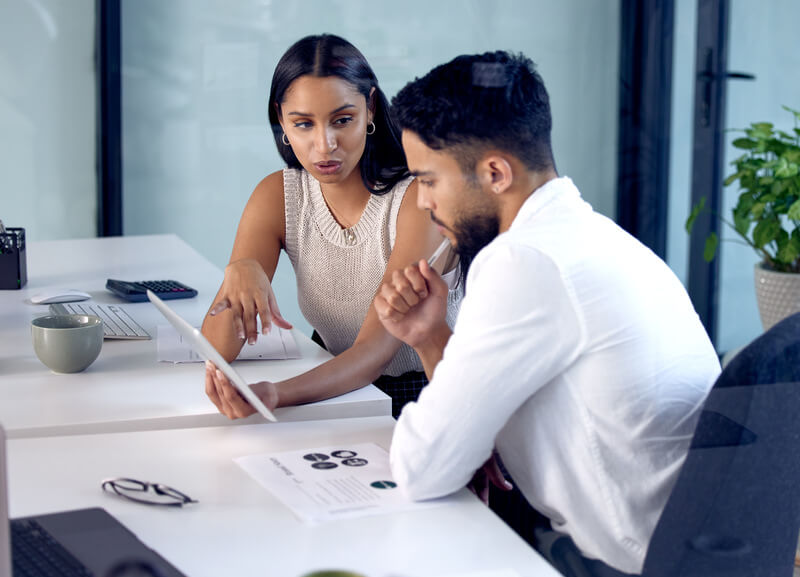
<point>144,116</point>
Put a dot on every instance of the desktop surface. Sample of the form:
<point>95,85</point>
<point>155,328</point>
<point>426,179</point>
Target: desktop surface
<point>126,388</point>
<point>238,527</point>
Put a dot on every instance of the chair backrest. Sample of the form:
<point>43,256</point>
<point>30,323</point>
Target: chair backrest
<point>735,507</point>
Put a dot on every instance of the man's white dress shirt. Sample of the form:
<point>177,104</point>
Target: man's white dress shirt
<point>579,356</point>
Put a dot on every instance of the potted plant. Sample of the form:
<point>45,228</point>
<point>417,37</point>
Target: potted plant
<point>767,214</point>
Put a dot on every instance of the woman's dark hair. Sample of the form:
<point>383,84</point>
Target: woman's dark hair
<point>474,102</point>
<point>383,163</point>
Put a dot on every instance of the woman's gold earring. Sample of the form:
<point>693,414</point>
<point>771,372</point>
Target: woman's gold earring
<point>371,125</point>
<point>285,139</point>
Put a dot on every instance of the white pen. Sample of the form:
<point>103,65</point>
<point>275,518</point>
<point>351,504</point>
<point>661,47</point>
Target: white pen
<point>438,252</point>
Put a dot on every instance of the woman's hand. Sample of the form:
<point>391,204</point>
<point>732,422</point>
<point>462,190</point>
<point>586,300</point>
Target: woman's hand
<point>247,292</point>
<point>228,400</point>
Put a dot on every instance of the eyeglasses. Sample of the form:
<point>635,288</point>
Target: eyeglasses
<point>139,491</point>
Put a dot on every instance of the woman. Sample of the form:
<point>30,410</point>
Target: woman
<point>344,210</point>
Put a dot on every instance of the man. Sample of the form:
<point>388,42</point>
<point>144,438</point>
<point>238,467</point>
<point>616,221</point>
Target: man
<point>577,354</point>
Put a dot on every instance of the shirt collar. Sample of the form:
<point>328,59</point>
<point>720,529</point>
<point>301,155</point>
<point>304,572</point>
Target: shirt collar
<point>561,188</point>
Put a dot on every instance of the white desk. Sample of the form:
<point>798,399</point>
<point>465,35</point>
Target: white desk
<point>238,528</point>
<point>127,388</point>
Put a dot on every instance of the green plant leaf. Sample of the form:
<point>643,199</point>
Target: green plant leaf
<point>741,223</point>
<point>786,169</point>
<point>779,186</point>
<point>792,155</point>
<point>788,251</point>
<point>711,247</point>
<point>766,231</point>
<point>767,198</point>
<point>762,129</point>
<point>731,179</point>
<point>757,210</point>
<point>744,143</point>
<point>794,211</point>
<point>792,110</point>
<point>696,210</point>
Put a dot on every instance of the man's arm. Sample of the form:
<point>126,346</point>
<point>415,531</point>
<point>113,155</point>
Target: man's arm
<point>412,306</point>
<point>517,329</point>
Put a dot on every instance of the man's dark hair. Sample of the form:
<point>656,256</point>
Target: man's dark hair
<point>383,163</point>
<point>476,102</point>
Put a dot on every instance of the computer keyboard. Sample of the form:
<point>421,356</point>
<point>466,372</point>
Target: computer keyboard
<point>36,554</point>
<point>117,323</point>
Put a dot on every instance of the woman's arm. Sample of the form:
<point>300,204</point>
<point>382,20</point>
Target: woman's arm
<point>246,291</point>
<point>372,350</point>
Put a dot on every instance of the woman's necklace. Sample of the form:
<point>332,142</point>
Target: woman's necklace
<point>347,229</point>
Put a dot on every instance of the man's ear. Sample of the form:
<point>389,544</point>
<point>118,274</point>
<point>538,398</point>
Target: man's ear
<point>495,172</point>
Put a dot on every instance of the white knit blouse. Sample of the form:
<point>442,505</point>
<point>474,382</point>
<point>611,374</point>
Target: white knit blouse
<point>339,270</point>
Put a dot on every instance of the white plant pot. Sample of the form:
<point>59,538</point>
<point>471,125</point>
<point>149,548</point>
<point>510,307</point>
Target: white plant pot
<point>777,294</point>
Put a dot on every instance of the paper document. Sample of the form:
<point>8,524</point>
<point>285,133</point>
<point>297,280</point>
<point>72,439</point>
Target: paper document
<point>331,482</point>
<point>278,344</point>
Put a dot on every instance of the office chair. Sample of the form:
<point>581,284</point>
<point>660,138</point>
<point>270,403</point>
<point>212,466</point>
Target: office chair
<point>735,508</point>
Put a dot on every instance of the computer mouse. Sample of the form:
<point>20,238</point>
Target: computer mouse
<point>59,295</point>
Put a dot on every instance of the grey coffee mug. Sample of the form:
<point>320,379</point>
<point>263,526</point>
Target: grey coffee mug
<point>67,343</point>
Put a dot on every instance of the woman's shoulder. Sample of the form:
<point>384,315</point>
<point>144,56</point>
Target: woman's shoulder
<point>404,185</point>
<point>408,188</point>
<point>269,189</point>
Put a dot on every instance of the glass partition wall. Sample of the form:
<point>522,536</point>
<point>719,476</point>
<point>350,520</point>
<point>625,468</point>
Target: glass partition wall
<point>196,74</point>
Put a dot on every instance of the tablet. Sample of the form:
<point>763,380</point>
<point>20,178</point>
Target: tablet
<point>195,339</point>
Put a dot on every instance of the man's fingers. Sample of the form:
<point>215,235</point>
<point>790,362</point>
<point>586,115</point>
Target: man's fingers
<point>495,475</point>
<point>433,278</point>
<point>416,281</point>
<point>395,303</point>
<point>384,309</point>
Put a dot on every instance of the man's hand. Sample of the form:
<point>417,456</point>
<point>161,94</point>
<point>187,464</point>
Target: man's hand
<point>412,305</point>
<point>228,400</point>
<point>490,473</point>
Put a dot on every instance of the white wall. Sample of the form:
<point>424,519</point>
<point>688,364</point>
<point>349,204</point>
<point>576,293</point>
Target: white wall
<point>196,77</point>
<point>47,118</point>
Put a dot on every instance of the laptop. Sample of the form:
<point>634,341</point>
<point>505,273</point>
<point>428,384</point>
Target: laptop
<point>195,339</point>
<point>80,542</point>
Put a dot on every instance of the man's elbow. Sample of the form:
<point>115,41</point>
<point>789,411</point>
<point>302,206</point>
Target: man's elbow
<point>418,486</point>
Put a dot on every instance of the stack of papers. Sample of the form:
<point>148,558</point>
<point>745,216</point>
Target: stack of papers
<point>278,344</point>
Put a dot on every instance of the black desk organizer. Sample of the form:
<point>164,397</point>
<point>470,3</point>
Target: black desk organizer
<point>13,269</point>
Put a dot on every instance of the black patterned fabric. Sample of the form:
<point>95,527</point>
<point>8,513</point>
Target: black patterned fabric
<point>403,389</point>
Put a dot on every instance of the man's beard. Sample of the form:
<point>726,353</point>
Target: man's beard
<point>471,235</point>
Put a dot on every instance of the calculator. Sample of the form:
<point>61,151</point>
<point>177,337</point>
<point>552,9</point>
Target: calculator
<point>136,291</point>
